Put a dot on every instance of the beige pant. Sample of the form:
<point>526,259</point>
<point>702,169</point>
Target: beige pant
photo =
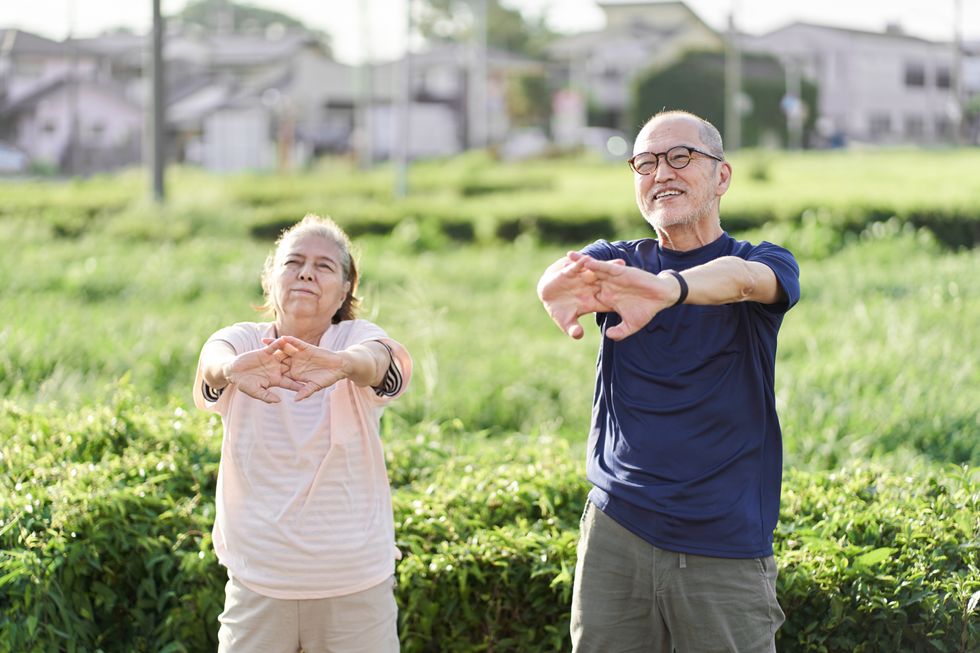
<point>364,622</point>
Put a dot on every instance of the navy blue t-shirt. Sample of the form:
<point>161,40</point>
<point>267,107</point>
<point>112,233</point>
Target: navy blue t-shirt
<point>685,449</point>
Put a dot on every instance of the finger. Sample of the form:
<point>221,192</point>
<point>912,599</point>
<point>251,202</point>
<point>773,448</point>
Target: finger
<point>268,341</point>
<point>264,394</point>
<point>290,383</point>
<point>308,390</point>
<point>573,267</point>
<point>618,261</point>
<point>570,326</point>
<point>596,265</point>
<point>290,349</point>
<point>616,333</point>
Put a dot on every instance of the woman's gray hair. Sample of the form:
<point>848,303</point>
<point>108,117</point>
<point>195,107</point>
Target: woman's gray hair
<point>314,225</point>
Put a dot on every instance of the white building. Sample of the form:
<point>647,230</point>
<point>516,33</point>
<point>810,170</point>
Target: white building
<point>881,88</point>
<point>58,107</point>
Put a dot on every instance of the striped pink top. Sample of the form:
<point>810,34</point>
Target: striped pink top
<point>303,501</point>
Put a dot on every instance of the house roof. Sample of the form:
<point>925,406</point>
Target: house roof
<point>647,4</point>
<point>459,54</point>
<point>650,34</point>
<point>849,31</point>
<point>118,44</point>
<point>244,49</point>
<point>588,40</point>
<point>14,42</point>
<point>52,86</point>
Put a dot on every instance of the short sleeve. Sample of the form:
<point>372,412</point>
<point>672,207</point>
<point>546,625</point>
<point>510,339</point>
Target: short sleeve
<point>782,262</point>
<point>399,372</point>
<point>603,250</point>
<point>243,337</point>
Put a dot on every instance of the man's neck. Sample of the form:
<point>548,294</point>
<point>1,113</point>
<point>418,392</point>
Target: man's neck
<point>685,237</point>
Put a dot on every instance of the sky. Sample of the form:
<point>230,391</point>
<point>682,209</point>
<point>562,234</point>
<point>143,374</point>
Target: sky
<point>382,34</point>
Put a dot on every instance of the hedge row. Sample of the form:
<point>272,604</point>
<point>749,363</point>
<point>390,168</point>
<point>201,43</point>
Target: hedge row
<point>435,226</point>
<point>105,515</point>
<point>469,200</point>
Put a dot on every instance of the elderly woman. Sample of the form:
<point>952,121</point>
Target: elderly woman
<point>304,520</point>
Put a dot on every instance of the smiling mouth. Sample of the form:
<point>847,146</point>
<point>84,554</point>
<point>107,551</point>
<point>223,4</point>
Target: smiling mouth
<point>666,195</point>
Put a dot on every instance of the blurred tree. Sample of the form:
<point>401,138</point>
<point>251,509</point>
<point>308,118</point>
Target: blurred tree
<point>230,16</point>
<point>696,83</point>
<point>507,29</point>
<point>529,100</point>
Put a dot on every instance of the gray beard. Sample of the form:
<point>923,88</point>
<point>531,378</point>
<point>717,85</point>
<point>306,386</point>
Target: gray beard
<point>700,212</point>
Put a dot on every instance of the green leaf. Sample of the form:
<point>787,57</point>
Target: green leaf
<point>874,557</point>
<point>972,603</point>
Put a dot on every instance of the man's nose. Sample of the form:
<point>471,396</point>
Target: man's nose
<point>664,171</point>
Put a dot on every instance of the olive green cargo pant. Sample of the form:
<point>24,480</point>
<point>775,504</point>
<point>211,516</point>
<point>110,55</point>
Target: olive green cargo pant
<point>629,596</point>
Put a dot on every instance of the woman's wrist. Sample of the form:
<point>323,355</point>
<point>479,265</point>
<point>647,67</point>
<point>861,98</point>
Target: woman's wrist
<point>226,373</point>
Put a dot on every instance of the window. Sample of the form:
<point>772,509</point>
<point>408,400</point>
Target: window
<point>915,126</point>
<point>611,74</point>
<point>942,77</point>
<point>880,124</point>
<point>915,75</point>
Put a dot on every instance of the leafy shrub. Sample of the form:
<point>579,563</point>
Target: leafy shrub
<point>104,516</point>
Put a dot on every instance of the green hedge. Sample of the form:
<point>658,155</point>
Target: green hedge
<point>105,514</point>
<point>473,198</point>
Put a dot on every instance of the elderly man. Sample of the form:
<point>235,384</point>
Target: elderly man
<point>685,451</point>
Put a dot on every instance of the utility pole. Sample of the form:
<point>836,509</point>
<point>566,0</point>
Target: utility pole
<point>793,102</point>
<point>956,73</point>
<point>74,142</point>
<point>402,130</point>
<point>733,87</point>
<point>478,115</point>
<point>158,146</point>
<point>365,95</point>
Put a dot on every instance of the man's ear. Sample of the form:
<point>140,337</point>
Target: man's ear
<point>724,178</point>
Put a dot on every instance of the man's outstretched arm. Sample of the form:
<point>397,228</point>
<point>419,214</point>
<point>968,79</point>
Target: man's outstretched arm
<point>637,296</point>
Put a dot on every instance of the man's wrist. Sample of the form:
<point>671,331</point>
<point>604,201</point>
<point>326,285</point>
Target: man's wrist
<point>682,288</point>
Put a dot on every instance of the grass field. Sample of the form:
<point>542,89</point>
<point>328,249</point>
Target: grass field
<point>106,296</point>
<point>878,359</point>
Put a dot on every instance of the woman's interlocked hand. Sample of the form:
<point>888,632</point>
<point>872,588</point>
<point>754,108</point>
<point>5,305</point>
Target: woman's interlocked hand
<point>289,363</point>
<point>312,367</point>
<point>256,372</point>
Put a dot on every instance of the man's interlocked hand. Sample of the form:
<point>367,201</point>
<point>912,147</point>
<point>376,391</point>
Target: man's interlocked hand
<point>583,285</point>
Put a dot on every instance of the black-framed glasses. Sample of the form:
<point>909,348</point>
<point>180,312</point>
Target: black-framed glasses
<point>677,157</point>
